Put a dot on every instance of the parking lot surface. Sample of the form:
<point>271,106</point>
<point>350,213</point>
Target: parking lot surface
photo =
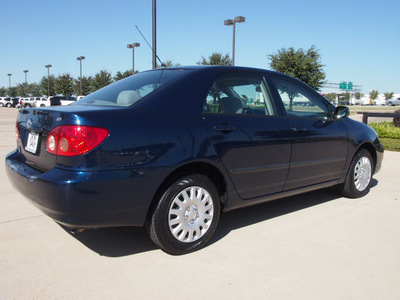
<point>313,246</point>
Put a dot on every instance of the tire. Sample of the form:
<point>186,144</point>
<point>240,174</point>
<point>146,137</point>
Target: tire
<point>1,104</point>
<point>359,176</point>
<point>8,105</point>
<point>186,216</point>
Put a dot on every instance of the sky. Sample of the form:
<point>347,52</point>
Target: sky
<point>358,40</point>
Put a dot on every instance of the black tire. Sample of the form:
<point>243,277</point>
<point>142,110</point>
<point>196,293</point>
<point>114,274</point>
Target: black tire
<point>193,203</point>
<point>359,176</point>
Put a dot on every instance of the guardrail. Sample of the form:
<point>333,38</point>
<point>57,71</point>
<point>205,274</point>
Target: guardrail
<point>366,115</point>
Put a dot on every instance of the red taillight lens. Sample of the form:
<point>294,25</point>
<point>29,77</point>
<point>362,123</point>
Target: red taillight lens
<point>73,140</point>
<point>17,131</point>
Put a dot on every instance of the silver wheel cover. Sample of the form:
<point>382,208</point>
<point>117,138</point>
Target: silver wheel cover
<point>190,214</point>
<point>362,174</point>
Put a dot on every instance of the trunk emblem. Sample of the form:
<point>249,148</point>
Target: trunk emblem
<point>29,123</point>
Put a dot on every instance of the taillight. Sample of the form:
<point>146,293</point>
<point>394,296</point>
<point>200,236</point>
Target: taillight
<point>17,131</point>
<point>73,140</point>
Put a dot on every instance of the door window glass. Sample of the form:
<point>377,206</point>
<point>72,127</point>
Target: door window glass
<point>239,95</point>
<point>299,102</point>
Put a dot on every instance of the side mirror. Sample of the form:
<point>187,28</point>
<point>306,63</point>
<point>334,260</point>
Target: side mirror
<point>341,112</point>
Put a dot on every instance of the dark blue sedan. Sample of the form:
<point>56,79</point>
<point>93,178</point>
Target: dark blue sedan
<point>173,148</point>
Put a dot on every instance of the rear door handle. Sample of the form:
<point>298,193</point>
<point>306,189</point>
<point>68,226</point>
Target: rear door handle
<point>224,127</point>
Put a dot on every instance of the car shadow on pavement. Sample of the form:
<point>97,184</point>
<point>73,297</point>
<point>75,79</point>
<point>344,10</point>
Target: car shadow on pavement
<point>124,241</point>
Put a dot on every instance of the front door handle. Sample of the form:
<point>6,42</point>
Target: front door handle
<point>299,129</point>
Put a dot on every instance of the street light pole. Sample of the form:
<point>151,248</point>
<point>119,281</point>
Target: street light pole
<point>48,79</point>
<point>133,54</point>
<point>233,22</point>
<point>154,36</point>
<point>26,77</point>
<point>9,79</point>
<point>80,58</point>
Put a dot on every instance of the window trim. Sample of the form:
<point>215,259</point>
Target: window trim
<point>328,105</point>
<point>276,110</point>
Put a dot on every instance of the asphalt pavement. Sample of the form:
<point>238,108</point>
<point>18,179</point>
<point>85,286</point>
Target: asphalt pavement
<point>317,245</point>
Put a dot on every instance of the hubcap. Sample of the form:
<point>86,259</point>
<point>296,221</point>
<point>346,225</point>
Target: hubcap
<point>190,214</point>
<point>362,173</point>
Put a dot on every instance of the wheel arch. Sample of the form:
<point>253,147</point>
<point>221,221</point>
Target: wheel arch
<point>203,168</point>
<point>371,149</point>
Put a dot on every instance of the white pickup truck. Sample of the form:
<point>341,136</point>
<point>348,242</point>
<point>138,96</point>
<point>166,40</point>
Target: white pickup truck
<point>60,100</point>
<point>393,102</point>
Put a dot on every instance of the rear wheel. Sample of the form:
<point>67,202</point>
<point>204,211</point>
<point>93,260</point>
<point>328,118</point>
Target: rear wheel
<point>359,176</point>
<point>186,216</point>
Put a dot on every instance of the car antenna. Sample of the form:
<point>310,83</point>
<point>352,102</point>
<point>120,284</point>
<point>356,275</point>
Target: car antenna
<point>161,63</point>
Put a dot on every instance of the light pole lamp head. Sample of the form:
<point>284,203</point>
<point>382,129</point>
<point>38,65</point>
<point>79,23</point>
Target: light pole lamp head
<point>133,45</point>
<point>9,74</point>
<point>26,71</point>
<point>48,66</point>
<point>228,22</point>
<point>239,19</point>
<point>80,58</point>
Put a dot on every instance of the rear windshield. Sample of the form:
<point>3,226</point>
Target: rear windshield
<point>127,91</point>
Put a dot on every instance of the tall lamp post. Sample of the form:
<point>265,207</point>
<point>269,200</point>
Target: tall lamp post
<point>48,79</point>
<point>9,79</point>
<point>233,22</point>
<point>26,77</point>
<point>80,58</point>
<point>132,46</point>
<point>154,34</point>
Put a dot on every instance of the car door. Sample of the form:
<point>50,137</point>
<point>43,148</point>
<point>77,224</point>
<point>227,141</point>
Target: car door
<point>319,141</point>
<point>248,134</point>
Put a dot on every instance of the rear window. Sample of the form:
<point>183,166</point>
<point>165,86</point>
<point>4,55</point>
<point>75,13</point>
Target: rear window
<point>127,91</point>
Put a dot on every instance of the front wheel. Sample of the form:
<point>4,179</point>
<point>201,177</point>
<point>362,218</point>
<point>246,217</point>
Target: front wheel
<point>359,176</point>
<point>186,215</point>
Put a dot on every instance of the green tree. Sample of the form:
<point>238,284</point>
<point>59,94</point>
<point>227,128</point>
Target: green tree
<point>64,85</point>
<point>331,97</point>
<point>34,90</point>
<point>22,89</point>
<point>388,96</point>
<point>374,94</point>
<point>12,91</point>
<point>304,65</point>
<point>3,91</point>
<point>44,85</point>
<point>101,79</point>
<point>359,95</point>
<point>126,74</point>
<point>86,86</point>
<point>216,58</point>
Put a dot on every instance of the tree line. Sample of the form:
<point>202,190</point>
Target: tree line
<point>303,64</point>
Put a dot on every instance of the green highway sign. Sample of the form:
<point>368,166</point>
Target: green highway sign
<point>343,85</point>
<point>350,86</point>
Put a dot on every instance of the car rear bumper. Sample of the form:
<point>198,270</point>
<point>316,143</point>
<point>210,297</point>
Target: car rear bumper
<point>84,199</point>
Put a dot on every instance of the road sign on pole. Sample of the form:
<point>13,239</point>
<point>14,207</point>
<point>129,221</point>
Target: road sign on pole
<point>343,85</point>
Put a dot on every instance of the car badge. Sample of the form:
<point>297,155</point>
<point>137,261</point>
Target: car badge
<point>29,123</point>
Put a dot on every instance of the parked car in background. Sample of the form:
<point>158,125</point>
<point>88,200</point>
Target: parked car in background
<point>27,102</point>
<point>41,102</point>
<point>79,97</point>
<point>393,102</point>
<point>15,102</point>
<point>173,148</point>
<point>61,100</point>
<point>5,102</point>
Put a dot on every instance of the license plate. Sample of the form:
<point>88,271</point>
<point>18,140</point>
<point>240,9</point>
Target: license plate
<point>32,143</point>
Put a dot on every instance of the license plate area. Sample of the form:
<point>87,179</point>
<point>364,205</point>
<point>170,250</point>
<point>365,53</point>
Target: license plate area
<point>32,142</point>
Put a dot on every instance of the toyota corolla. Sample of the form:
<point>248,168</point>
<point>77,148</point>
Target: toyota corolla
<point>171,149</point>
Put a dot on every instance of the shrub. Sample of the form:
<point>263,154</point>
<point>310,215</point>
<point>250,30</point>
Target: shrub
<point>386,130</point>
<point>396,121</point>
